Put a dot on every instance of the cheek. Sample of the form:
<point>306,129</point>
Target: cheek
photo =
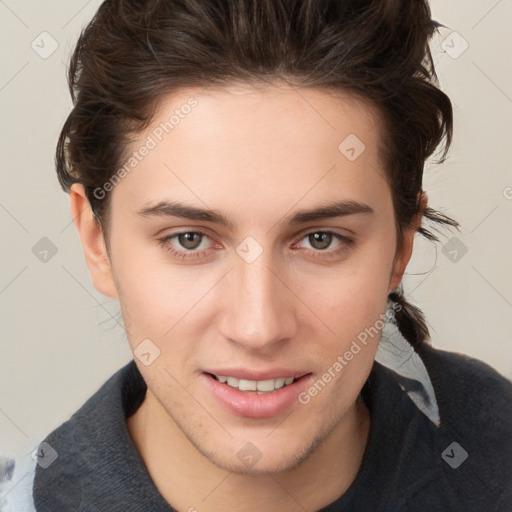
<point>150,295</point>
<point>166,303</point>
<point>354,294</point>
<point>351,303</point>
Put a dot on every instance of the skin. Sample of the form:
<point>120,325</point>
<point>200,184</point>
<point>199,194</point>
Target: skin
<point>298,305</point>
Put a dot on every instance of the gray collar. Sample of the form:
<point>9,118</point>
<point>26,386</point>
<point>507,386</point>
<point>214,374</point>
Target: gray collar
<point>397,354</point>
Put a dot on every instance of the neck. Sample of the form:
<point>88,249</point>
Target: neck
<point>188,481</point>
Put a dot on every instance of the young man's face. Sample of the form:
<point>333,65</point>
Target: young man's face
<point>260,288</point>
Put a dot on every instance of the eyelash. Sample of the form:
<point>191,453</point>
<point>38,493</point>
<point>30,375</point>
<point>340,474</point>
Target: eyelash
<point>184,255</point>
<point>346,243</point>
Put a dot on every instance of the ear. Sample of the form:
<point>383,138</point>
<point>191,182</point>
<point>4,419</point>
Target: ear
<point>93,242</point>
<point>403,255</point>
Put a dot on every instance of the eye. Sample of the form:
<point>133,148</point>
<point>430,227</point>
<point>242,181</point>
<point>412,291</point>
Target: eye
<point>322,241</point>
<point>189,240</point>
<point>187,244</point>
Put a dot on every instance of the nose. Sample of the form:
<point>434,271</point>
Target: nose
<point>258,310</point>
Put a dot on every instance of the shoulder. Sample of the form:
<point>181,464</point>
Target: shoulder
<point>104,407</point>
<point>468,389</point>
<point>464,461</point>
<point>68,453</point>
<point>475,434</point>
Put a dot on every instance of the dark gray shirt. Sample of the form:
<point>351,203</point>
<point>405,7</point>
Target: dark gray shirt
<point>463,463</point>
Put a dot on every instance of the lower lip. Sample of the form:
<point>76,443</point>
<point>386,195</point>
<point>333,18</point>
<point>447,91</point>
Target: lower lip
<point>252,405</point>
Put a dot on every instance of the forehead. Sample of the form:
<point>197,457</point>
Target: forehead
<point>270,141</point>
<point>238,110</point>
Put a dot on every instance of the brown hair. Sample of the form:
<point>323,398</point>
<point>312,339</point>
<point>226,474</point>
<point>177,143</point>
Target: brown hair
<point>136,51</point>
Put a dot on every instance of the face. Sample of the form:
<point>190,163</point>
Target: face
<point>248,244</point>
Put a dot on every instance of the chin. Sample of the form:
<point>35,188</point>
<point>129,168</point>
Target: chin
<point>280,464</point>
<point>270,459</point>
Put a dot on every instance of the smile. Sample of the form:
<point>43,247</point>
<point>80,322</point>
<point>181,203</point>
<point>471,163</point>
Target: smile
<point>261,398</point>
<point>258,386</point>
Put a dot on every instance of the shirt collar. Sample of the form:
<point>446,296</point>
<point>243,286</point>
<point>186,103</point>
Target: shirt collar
<point>397,354</point>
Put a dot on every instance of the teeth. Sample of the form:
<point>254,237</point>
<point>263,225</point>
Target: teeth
<point>247,385</point>
<point>262,386</point>
<point>265,385</point>
<point>233,382</point>
<point>279,383</point>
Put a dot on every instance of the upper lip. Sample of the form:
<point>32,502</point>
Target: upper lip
<point>245,374</point>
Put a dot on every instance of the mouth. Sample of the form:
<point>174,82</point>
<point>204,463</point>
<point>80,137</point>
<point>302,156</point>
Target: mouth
<point>262,398</point>
<point>258,387</point>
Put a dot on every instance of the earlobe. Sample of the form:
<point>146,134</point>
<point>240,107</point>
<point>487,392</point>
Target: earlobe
<point>403,256</point>
<point>93,242</point>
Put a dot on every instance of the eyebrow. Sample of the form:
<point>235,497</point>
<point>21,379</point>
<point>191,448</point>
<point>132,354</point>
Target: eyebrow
<point>331,210</point>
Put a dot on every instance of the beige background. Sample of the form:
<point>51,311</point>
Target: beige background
<point>61,339</point>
